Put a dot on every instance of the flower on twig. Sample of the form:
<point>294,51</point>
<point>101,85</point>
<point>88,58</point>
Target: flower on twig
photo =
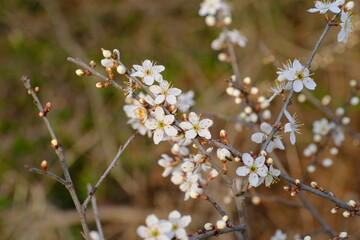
<point>164,92</point>
<point>254,168</point>
<point>292,126</point>
<point>195,127</point>
<point>346,27</point>
<point>148,72</point>
<point>260,137</point>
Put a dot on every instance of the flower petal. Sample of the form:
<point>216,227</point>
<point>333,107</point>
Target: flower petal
<point>158,135</point>
<point>247,159</point>
<point>309,83</point>
<point>190,134</point>
<point>266,128</point>
<point>186,125</point>
<point>253,179</point>
<point>155,89</point>
<point>205,123</point>
<point>193,118</point>
<point>259,161</point>
<point>151,124</point>
<point>168,119</point>
<point>292,138</point>
<point>171,99</point>
<point>242,171</point>
<point>159,99</point>
<point>262,171</point>
<point>170,131</point>
<point>298,86</point>
<point>257,137</point>
<point>204,133</point>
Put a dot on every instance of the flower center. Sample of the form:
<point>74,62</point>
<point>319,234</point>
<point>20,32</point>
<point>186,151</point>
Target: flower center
<point>300,75</point>
<point>253,168</point>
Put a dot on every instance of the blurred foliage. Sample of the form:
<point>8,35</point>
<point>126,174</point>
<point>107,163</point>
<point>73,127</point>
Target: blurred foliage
<point>36,37</point>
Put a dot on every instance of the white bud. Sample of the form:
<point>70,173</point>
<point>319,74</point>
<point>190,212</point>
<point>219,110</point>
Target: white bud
<point>227,20</point>
<point>326,100</point>
<point>223,57</point>
<point>248,109</point>
<point>220,224</point>
<point>281,78</point>
<point>233,78</point>
<point>346,214</point>
<point>354,101</point>
<point>317,138</point>
<point>301,98</point>
<point>264,104</point>
<point>349,6</point>
<point>194,195</point>
<point>223,154</point>
<point>79,72</point>
<point>210,20</point>
<point>261,99</point>
<point>247,80</point>
<point>311,168</point>
<point>209,226</point>
<point>345,120</point>
<point>266,114</point>
<point>327,162</point>
<point>94,235</point>
<point>106,53</point>
<point>253,117</point>
<point>307,238</point>
<point>225,218</point>
<point>340,111</point>
<point>334,151</point>
<point>116,52</point>
<point>254,90</point>
<point>121,69</point>
<point>236,92</point>
<point>352,203</point>
<point>343,234</point>
<point>230,91</point>
<point>237,100</point>
<point>353,83</point>
<point>256,200</point>
<point>107,62</point>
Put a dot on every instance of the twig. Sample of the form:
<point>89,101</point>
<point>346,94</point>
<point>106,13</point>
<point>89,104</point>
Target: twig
<point>46,173</point>
<point>61,155</point>
<point>324,194</point>
<point>239,228</point>
<point>96,213</point>
<point>112,165</point>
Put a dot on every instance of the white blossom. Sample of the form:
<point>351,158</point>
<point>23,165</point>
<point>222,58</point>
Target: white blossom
<point>191,186</point>
<point>234,37</point>
<point>223,154</point>
<point>164,92</point>
<point>309,150</point>
<point>321,127</point>
<point>178,225</point>
<point>148,72</point>
<point>168,163</point>
<point>279,235</point>
<point>324,6</point>
<point>346,27</point>
<point>155,229</point>
<point>298,74</point>
<point>210,7</point>
<point>260,137</point>
<point>185,101</point>
<point>161,124</point>
<point>195,127</point>
<point>292,126</point>
<point>253,168</point>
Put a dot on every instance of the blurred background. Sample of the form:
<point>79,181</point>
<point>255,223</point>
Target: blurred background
<point>36,37</point>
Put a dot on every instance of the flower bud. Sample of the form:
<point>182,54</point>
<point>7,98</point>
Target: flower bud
<point>121,69</point>
<point>352,203</point>
<point>248,109</point>
<point>94,235</point>
<point>343,234</point>
<point>116,54</point>
<point>227,20</point>
<point>254,90</point>
<point>345,120</point>
<point>43,165</point>
<point>346,214</point>
<point>353,83</point>
<point>297,182</point>
<point>354,101</point>
<point>269,161</point>
<point>327,162</point>
<point>349,6</point>
<point>256,200</point>
<point>334,210</point>
<point>247,80</point>
<point>220,224</point>
<point>334,151</point>
<point>54,144</point>
<point>210,20</point>
<point>106,53</point>
<point>92,64</point>
<point>194,195</point>
<point>307,238</point>
<point>36,89</point>
<point>225,218</point>
<point>209,226</point>
<point>223,57</point>
<point>311,168</point>
<point>99,85</point>
<point>326,100</point>
<point>340,111</point>
<point>79,72</point>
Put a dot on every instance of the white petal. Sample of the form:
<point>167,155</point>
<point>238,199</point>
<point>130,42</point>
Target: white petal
<point>193,118</point>
<point>288,128</point>
<point>253,179</point>
<point>270,147</point>
<point>268,180</point>
<point>147,64</point>
<point>174,214</point>
<point>309,83</point>
<point>204,133</point>
<point>190,134</point>
<point>279,144</point>
<point>159,99</point>
<point>158,68</point>
<point>107,62</point>
<point>259,161</point>
<point>292,138</point>
<point>265,127</point>
<point>159,113</point>
<point>158,135</point>
<point>170,131</point>
<point>151,124</point>
<point>247,159</point>
<point>242,171</point>
<point>169,119</point>
<point>205,123</point>
<point>257,137</point>
<point>148,80</point>
<point>171,99</point>
<point>155,89</point>
<point>288,116</point>
<point>262,171</point>
<point>138,68</point>
<point>297,86</point>
<point>174,91</point>
<point>297,65</point>
<point>186,125</point>
<point>151,220</point>
<point>141,231</point>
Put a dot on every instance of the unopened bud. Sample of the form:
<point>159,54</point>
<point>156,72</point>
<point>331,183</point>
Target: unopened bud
<point>293,193</point>
<point>41,114</point>
<point>353,83</point>
<point>349,6</point>
<point>36,89</point>
<point>346,214</point>
<point>256,200</point>
<point>248,109</point>
<point>143,102</point>
<point>237,159</point>
<point>223,57</point>
<point>263,153</point>
<point>301,98</point>
<point>209,226</point>
<point>334,210</point>
<point>247,80</point>
<point>307,238</point>
<point>92,64</point>
<point>297,182</point>
<point>345,120</point>
<point>269,161</point>
<point>343,234</point>
<point>116,54</point>
<point>43,165</point>
<point>287,188</point>
<point>99,85</point>
<point>54,144</point>
<point>194,195</point>
<point>311,168</point>
<point>326,100</point>
<point>210,20</point>
<point>352,203</point>
<point>223,154</point>
<point>254,90</point>
<point>106,53</point>
<point>225,218</point>
<point>227,20</point>
<point>220,224</point>
<point>121,69</point>
<point>79,72</point>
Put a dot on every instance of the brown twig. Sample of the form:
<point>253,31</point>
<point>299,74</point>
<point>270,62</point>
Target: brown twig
<point>96,213</point>
<point>239,228</point>
<point>46,173</point>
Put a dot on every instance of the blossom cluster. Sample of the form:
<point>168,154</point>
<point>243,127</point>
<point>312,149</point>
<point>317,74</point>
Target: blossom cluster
<point>160,229</point>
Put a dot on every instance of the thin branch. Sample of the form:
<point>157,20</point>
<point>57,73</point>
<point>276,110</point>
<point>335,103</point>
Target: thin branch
<point>61,155</point>
<point>96,214</point>
<point>239,228</point>
<point>46,173</point>
<point>112,165</point>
